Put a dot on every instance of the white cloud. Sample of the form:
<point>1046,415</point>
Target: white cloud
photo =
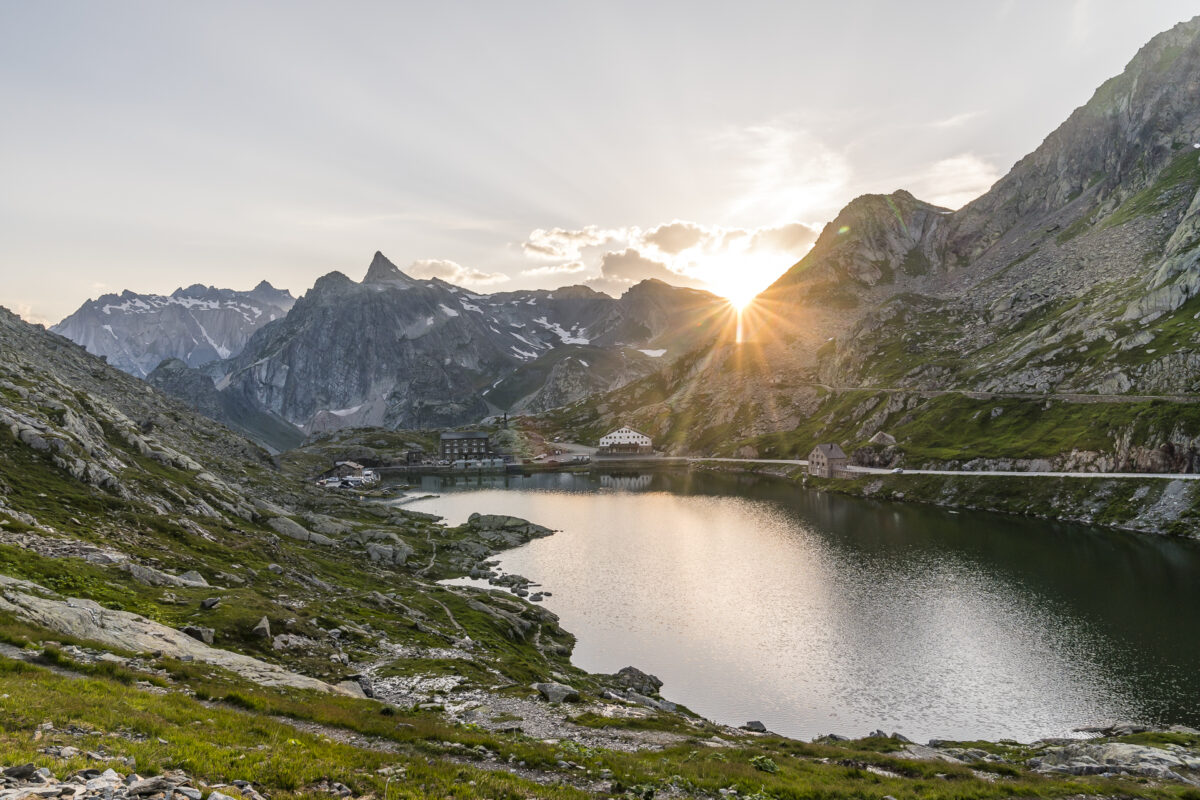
<point>675,237</point>
<point>621,269</point>
<point>570,268</point>
<point>954,182</point>
<point>455,273</point>
<point>792,237</point>
<point>561,243</point>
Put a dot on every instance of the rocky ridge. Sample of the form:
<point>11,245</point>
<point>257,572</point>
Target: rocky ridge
<point>135,332</point>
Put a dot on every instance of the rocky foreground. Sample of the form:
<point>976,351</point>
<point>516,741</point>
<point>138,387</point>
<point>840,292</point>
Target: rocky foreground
<point>32,781</point>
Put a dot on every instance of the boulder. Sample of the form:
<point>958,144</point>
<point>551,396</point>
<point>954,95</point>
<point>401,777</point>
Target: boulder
<point>555,692</point>
<point>154,577</point>
<point>755,726</point>
<point>193,578</point>
<point>149,786</point>
<point>263,629</point>
<point>395,554</point>
<point>294,530</point>
<point>634,678</point>
<point>649,702</point>
<point>199,633</point>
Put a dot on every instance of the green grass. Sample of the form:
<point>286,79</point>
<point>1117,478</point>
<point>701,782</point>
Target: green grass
<point>1181,175</point>
<point>241,739</point>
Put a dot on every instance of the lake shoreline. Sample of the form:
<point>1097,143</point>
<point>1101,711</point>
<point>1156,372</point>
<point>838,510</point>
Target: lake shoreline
<point>1150,506</point>
<point>560,589</point>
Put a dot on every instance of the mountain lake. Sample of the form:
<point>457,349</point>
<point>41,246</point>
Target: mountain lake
<point>754,599</point>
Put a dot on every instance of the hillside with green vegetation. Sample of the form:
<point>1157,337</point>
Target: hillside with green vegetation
<point>173,605</point>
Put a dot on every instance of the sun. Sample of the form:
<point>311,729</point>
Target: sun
<point>738,277</point>
<point>739,299</point>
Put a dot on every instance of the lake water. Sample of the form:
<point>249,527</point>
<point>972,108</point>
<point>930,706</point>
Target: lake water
<point>753,599</point>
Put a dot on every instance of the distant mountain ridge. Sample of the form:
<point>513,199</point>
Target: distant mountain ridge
<point>196,325</point>
<point>399,352</point>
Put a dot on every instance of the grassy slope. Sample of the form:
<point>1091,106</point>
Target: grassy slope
<point>242,738</point>
<point>165,714</point>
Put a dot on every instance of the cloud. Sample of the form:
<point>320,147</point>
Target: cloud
<point>570,268</point>
<point>621,269</point>
<point>455,273</point>
<point>727,261</point>
<point>954,182</point>
<point>561,243</point>
<point>790,238</point>
<point>675,237</point>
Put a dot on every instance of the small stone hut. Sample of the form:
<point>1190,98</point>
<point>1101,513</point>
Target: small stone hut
<point>827,461</point>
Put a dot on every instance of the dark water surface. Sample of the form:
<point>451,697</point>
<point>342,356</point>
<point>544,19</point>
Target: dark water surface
<point>753,599</point>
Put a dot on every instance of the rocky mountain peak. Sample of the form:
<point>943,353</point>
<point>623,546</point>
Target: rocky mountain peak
<point>384,271</point>
<point>876,238</point>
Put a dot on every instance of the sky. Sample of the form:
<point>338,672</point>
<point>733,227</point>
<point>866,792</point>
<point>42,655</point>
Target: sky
<point>148,145</point>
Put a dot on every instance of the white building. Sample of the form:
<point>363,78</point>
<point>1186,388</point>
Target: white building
<point>626,440</point>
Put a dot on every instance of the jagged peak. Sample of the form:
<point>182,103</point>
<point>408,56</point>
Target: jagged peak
<point>384,271</point>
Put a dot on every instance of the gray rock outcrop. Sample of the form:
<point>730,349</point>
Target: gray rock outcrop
<point>86,619</point>
<point>554,692</point>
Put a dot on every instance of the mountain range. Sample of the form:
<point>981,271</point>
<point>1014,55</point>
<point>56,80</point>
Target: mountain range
<point>1072,281</point>
<point>398,352</point>
<point>136,332</point>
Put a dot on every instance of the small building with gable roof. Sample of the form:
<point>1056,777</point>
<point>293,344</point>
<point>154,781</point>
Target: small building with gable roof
<point>827,461</point>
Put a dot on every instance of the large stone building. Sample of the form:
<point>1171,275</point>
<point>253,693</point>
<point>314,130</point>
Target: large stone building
<point>625,441</point>
<point>827,461</point>
<point>456,445</point>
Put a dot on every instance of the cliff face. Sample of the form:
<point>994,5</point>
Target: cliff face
<point>197,325</point>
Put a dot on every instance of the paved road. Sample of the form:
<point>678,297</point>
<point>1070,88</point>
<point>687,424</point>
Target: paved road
<point>1071,397</point>
<point>1003,474</point>
<point>971,472</point>
<point>794,462</point>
